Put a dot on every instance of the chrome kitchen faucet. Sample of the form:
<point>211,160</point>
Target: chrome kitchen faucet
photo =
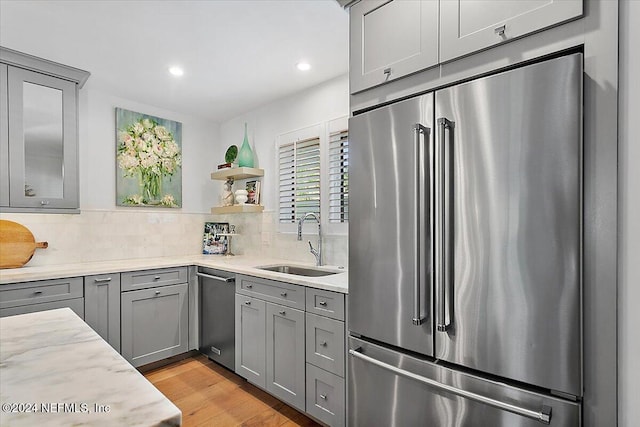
<point>316,252</point>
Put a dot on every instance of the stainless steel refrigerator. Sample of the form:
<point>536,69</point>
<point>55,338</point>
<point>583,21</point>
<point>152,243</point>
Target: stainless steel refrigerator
<point>465,254</point>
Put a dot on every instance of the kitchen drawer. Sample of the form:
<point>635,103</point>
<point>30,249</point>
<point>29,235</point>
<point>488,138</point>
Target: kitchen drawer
<point>325,303</point>
<point>18,294</point>
<point>133,280</point>
<point>325,396</point>
<point>271,290</point>
<point>325,343</point>
<point>75,304</point>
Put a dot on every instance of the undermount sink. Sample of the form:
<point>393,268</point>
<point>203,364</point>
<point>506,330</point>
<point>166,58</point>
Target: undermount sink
<point>298,271</point>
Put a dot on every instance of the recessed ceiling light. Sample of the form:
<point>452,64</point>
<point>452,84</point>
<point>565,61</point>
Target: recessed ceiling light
<point>303,66</point>
<point>176,71</point>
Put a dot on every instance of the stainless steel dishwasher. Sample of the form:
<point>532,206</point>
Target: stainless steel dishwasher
<point>217,316</point>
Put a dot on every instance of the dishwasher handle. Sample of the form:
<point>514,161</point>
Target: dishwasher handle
<point>218,278</point>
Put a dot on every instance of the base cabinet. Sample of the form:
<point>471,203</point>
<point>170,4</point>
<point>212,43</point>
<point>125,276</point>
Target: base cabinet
<point>285,354</point>
<point>155,323</point>
<point>290,342</point>
<point>251,339</point>
<point>29,297</point>
<point>102,306</point>
<point>325,396</point>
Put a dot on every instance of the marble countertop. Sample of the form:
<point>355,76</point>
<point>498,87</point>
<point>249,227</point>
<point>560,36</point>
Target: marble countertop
<point>242,264</point>
<point>53,361</point>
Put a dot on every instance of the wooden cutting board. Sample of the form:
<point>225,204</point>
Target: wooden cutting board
<point>17,244</point>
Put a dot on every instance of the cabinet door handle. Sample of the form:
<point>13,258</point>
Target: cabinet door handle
<point>103,280</point>
<point>249,286</point>
<point>44,202</point>
<point>323,396</point>
<point>282,312</point>
<point>323,303</point>
<point>323,343</point>
<point>283,294</point>
<point>247,302</point>
<point>387,73</point>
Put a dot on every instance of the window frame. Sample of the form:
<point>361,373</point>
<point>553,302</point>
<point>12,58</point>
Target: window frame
<point>322,131</point>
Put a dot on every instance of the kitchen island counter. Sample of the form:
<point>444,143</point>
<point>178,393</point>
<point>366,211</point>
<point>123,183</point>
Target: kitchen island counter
<point>56,371</point>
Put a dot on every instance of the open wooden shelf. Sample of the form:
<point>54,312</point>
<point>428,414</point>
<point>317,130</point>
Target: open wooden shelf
<point>237,209</point>
<point>237,173</point>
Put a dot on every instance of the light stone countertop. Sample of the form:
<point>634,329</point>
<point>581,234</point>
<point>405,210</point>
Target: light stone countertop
<point>242,264</point>
<point>56,361</point>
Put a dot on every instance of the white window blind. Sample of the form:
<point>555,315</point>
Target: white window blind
<point>299,167</point>
<point>339,176</point>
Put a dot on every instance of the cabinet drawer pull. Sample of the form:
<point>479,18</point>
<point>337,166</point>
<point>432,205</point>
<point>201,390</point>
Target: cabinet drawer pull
<point>323,343</point>
<point>103,280</point>
<point>323,303</point>
<point>282,312</point>
<point>247,302</point>
<point>249,286</point>
<point>157,292</point>
<point>323,396</point>
<point>44,202</point>
<point>156,278</point>
<point>283,294</point>
<point>500,30</point>
<point>37,292</point>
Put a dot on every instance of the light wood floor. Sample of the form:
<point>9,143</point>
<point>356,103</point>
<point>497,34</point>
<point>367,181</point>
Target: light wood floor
<point>209,395</point>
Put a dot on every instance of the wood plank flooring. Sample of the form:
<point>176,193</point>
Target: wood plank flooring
<point>209,395</point>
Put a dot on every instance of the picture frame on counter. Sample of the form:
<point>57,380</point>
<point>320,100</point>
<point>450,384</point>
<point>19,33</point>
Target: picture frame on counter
<point>213,242</point>
<point>253,190</point>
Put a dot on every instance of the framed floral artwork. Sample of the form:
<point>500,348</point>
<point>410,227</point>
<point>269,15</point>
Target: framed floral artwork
<point>149,160</point>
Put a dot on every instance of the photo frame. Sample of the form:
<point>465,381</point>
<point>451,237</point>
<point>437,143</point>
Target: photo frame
<point>212,242</point>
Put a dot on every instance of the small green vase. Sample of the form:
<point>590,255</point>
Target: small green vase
<point>245,155</point>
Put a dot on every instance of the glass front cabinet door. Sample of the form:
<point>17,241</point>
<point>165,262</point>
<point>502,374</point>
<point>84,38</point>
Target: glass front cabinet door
<point>38,133</point>
<point>43,148</point>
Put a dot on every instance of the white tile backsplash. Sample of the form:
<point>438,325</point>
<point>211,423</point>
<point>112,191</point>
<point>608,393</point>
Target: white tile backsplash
<point>105,235</point>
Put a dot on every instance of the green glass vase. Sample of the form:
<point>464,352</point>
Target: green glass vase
<point>245,155</point>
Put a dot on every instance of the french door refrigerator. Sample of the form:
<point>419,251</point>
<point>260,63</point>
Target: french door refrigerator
<point>465,254</point>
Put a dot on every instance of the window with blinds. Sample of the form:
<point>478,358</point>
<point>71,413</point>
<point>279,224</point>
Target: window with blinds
<point>339,176</point>
<point>299,191</point>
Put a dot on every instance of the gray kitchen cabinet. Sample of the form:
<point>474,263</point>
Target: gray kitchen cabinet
<point>102,306</point>
<point>39,134</point>
<point>154,323</point>
<point>470,26</point>
<point>325,396</point>
<point>250,329</point>
<point>29,297</point>
<point>325,343</point>
<point>4,138</point>
<point>391,39</point>
<point>285,358</point>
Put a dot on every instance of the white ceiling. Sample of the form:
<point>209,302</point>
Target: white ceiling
<point>237,55</point>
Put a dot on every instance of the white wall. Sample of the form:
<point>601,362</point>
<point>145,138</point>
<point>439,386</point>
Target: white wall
<point>321,103</point>
<point>98,147</point>
<point>629,216</point>
<point>103,231</point>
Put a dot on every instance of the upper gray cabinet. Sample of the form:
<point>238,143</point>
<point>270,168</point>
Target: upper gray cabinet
<point>391,39</point>
<point>470,26</point>
<point>394,38</point>
<point>38,133</point>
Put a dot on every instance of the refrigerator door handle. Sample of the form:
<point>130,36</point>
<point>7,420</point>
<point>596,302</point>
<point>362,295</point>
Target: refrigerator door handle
<point>443,223</point>
<point>543,416</point>
<point>421,220</point>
